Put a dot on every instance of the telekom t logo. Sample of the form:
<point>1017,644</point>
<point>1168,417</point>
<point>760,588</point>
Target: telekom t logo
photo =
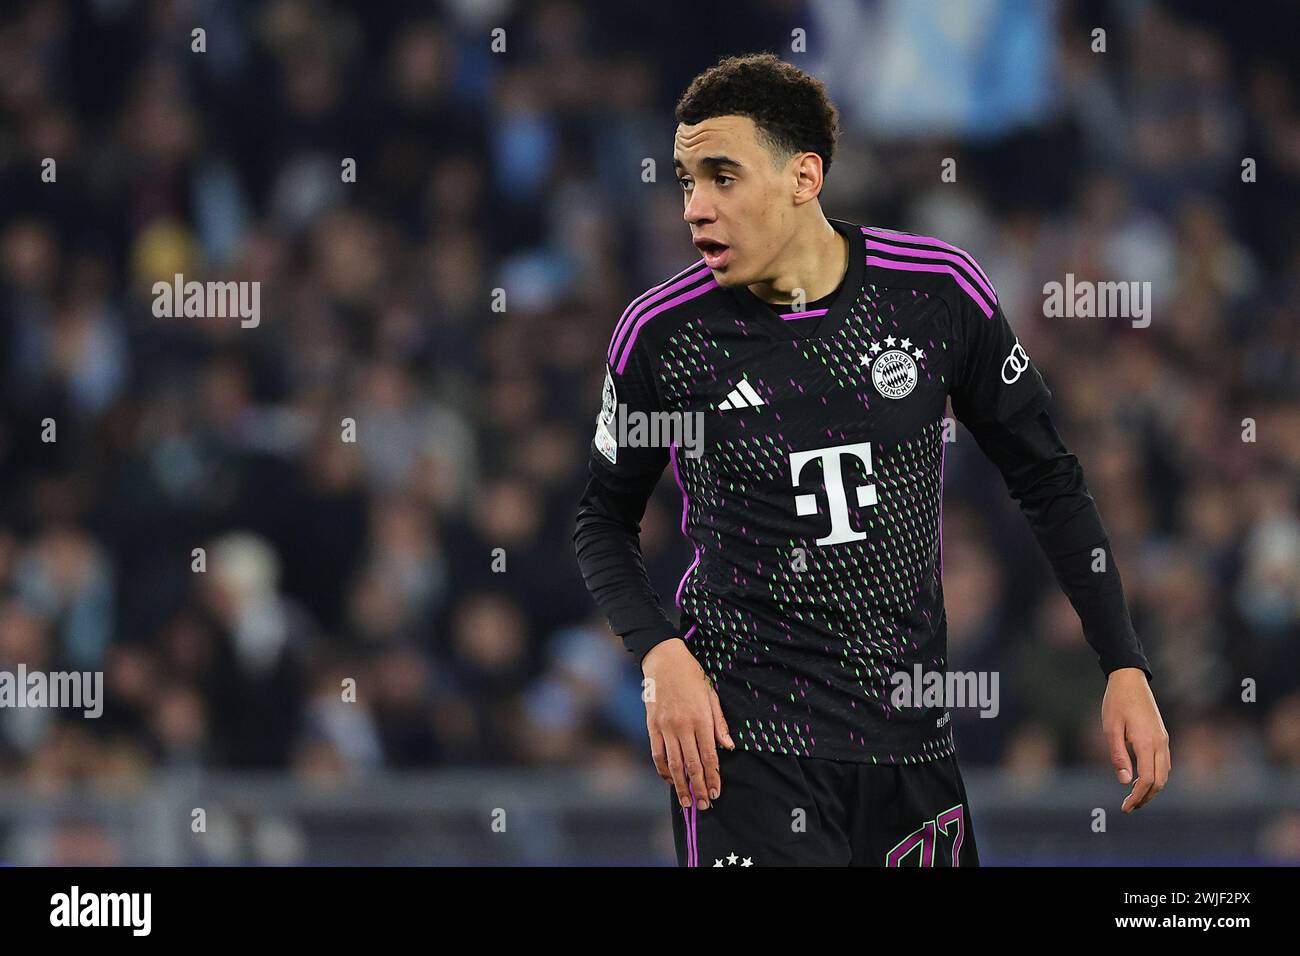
<point>841,529</point>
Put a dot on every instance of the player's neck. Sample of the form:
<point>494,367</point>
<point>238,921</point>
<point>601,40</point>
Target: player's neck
<point>814,260</point>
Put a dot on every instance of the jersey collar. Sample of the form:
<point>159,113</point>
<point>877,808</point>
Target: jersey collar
<point>760,314</point>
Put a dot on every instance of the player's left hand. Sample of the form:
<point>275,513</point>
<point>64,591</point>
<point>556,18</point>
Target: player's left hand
<point>1129,716</point>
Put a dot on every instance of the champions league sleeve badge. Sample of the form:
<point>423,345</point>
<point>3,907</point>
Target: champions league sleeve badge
<point>605,442</point>
<point>608,399</point>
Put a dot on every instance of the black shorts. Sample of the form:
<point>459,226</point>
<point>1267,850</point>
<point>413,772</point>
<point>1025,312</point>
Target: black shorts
<point>780,810</point>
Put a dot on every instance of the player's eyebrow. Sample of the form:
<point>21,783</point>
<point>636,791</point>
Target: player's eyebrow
<point>712,162</point>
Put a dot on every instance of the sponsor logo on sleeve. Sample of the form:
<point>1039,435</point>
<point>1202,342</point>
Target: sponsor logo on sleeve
<point>1015,364</point>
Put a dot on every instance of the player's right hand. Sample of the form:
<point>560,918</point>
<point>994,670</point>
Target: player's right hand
<point>685,722</point>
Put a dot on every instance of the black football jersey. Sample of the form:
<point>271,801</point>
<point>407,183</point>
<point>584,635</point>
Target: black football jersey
<point>809,453</point>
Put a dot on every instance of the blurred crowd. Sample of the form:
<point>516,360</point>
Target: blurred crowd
<point>410,598</point>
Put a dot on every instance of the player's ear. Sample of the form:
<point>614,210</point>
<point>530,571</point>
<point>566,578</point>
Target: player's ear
<point>808,177</point>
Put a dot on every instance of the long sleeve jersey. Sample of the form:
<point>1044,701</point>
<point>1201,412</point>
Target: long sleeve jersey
<point>808,449</point>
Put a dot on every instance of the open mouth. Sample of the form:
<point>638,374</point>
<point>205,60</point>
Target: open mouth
<point>716,254</point>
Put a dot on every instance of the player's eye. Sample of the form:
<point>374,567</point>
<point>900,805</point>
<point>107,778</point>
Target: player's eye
<point>729,179</point>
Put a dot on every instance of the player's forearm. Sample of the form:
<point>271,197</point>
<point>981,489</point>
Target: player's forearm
<point>606,539</point>
<point>1048,483</point>
<point>1092,582</point>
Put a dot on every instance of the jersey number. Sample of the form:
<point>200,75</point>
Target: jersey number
<point>922,841</point>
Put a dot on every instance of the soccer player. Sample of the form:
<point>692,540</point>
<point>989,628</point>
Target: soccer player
<point>819,356</point>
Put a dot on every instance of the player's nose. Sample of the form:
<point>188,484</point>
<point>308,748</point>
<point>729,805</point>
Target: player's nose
<point>698,208</point>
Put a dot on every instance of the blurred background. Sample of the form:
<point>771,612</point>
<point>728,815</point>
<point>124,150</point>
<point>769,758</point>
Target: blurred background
<point>479,691</point>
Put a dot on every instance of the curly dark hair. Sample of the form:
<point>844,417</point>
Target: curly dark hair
<point>791,109</point>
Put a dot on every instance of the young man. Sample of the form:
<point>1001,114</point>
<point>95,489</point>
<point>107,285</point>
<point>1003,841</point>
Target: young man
<point>819,356</point>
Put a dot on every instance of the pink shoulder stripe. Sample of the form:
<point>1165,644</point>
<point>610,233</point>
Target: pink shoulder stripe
<point>634,330</point>
<point>887,247</point>
<point>931,241</point>
<point>938,268</point>
<point>648,298</point>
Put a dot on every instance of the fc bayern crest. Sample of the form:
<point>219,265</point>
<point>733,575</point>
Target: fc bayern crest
<point>894,373</point>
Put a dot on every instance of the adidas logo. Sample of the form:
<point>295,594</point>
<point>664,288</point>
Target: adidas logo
<point>742,396</point>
